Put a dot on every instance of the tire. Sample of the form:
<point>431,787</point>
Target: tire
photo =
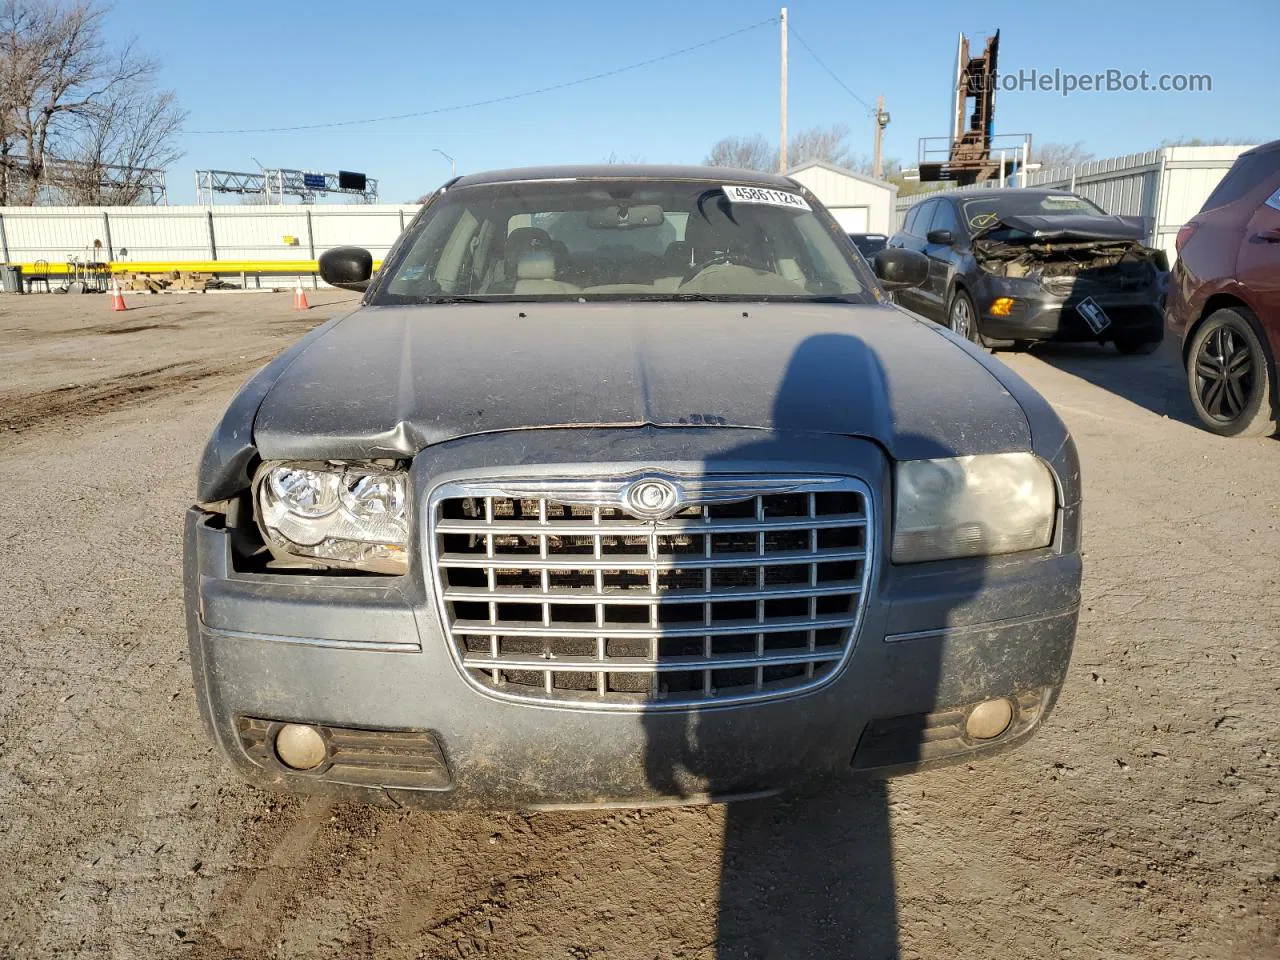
<point>1131,348</point>
<point>1229,376</point>
<point>962,318</point>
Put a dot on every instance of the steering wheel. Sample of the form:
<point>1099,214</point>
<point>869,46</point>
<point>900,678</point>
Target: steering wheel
<point>717,258</point>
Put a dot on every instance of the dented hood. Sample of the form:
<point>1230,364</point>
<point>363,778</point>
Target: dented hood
<point>388,381</point>
<point>1070,228</point>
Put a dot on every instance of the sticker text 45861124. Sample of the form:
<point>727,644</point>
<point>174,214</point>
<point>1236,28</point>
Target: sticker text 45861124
<point>766,195</point>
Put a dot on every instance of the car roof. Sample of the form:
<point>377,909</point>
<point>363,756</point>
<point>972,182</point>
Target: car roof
<point>627,171</point>
<point>979,193</point>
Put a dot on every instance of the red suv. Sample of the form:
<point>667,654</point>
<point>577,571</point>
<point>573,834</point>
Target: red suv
<point>1224,298</point>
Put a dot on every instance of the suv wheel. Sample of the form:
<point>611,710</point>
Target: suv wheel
<point>1229,377</point>
<point>962,319</point>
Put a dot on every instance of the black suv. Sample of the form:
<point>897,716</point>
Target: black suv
<point>1008,268</point>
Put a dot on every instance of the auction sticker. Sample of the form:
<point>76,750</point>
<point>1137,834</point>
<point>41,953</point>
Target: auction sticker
<point>1093,314</point>
<point>774,198</point>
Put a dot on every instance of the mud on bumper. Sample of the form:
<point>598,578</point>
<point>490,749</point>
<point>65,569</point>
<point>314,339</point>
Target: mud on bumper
<point>369,662</point>
<point>374,673</point>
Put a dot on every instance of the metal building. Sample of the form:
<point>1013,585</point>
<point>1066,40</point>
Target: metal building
<point>860,204</point>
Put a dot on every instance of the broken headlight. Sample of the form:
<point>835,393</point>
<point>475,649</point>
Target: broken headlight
<point>347,515</point>
<point>972,506</point>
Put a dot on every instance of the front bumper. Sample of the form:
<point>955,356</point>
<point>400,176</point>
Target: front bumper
<point>1043,316</point>
<point>370,654</point>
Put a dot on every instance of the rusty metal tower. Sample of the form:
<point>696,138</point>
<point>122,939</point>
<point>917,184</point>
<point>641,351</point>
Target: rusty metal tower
<point>973,117</point>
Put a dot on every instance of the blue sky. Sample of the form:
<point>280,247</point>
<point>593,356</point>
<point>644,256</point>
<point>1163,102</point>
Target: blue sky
<point>242,64</point>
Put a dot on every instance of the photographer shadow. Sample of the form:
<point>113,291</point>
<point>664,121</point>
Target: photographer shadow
<point>809,873</point>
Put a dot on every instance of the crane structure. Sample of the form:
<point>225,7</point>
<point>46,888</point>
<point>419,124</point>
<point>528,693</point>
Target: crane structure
<point>272,186</point>
<point>971,147</point>
<point>112,181</point>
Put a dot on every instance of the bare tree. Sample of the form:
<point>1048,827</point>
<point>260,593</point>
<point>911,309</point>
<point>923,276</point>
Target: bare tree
<point>1201,142</point>
<point>613,159</point>
<point>830,144</point>
<point>745,153</point>
<point>114,142</point>
<point>69,97</point>
<point>891,167</point>
<point>1052,155</point>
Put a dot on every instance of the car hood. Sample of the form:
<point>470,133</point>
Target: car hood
<point>1071,228</point>
<point>388,381</point>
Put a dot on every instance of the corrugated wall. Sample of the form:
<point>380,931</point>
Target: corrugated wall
<point>195,233</point>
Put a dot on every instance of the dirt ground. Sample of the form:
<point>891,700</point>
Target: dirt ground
<point>1144,821</point>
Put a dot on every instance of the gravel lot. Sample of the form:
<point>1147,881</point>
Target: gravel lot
<point>1143,822</point>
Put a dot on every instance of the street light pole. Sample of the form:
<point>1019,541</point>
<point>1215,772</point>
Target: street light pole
<point>453,167</point>
<point>782,97</point>
<point>882,121</point>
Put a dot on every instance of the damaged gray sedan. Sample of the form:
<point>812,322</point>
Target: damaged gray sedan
<point>627,485</point>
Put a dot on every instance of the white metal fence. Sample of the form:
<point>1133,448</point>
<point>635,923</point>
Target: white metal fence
<point>1165,187</point>
<point>124,234</point>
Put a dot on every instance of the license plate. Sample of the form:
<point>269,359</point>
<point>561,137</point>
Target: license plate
<point>1093,314</point>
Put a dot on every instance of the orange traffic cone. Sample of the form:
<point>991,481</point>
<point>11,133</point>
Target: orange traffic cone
<point>300,298</point>
<point>117,298</point>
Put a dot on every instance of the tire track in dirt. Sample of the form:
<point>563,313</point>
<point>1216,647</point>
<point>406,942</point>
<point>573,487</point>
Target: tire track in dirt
<point>164,320</point>
<point>21,411</point>
<point>357,881</point>
<point>246,917</point>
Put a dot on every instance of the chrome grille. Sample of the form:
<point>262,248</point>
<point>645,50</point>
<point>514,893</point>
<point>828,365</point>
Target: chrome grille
<point>555,592</point>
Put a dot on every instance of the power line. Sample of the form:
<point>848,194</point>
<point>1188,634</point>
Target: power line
<point>830,72</point>
<point>504,99</point>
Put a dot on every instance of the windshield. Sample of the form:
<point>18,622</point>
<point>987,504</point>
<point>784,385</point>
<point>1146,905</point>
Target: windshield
<point>987,210</point>
<point>621,239</point>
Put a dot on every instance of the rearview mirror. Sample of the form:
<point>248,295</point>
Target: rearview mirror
<point>942,237</point>
<point>347,267</point>
<point>897,268</point>
<point>624,216</point>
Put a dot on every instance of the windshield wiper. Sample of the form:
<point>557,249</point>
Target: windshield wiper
<point>671,297</point>
<point>451,298</point>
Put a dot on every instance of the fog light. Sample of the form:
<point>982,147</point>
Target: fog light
<point>1001,306</point>
<point>300,747</point>
<point>989,719</point>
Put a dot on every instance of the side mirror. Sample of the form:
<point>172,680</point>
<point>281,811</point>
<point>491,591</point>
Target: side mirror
<point>347,267</point>
<point>942,237</point>
<point>897,268</point>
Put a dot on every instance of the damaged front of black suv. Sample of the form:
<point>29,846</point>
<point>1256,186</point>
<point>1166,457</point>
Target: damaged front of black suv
<point>1069,278</point>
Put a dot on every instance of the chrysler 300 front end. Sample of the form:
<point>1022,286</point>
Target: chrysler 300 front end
<point>507,537</point>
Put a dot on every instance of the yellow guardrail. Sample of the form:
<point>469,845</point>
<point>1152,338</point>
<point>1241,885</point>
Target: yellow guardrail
<point>61,269</point>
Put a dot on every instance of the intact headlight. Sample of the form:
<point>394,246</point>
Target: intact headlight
<point>353,515</point>
<point>972,506</point>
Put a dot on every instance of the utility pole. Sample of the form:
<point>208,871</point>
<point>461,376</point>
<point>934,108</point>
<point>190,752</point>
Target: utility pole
<point>782,116</point>
<point>882,121</point>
